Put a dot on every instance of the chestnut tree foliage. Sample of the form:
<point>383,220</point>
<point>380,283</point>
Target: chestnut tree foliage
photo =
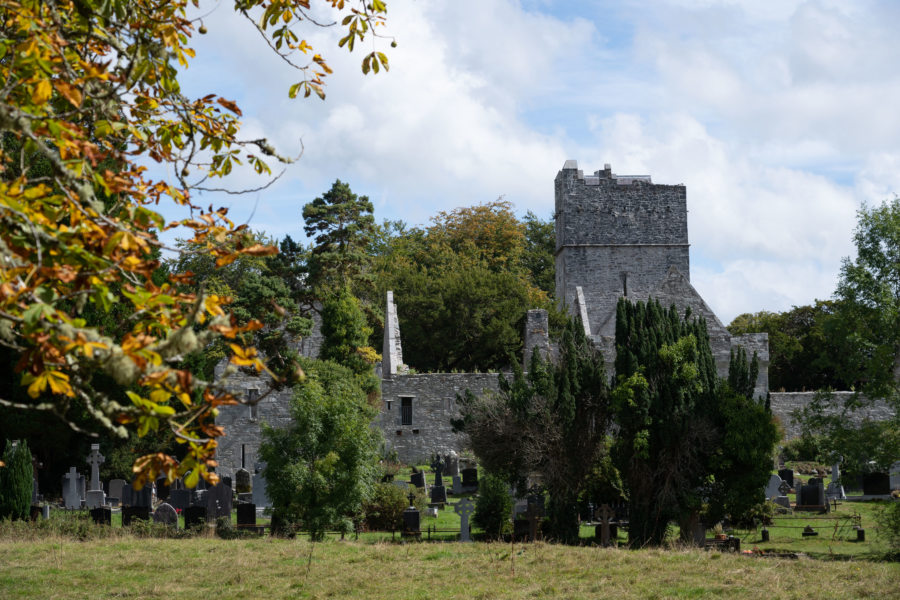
<point>89,91</point>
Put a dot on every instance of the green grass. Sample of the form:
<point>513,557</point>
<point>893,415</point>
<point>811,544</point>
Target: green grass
<point>274,568</point>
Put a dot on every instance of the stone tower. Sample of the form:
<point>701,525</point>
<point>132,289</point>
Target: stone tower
<point>616,235</point>
<point>625,236</point>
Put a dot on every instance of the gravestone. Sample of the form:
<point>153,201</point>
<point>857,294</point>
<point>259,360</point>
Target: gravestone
<point>95,496</point>
<point>166,514</point>
<point>437,466</point>
<point>457,485</point>
<point>102,515</point>
<point>876,484</point>
<point>452,464</point>
<point>243,483</point>
<point>438,492</point>
<point>812,497</point>
<point>783,501</point>
<point>180,499</point>
<point>71,495</point>
<point>130,513</point>
<point>787,475</point>
<point>815,481</point>
<point>198,497</point>
<point>418,479</point>
<point>246,514</point>
<point>464,508</point>
<point>115,490</point>
<point>835,490</point>
<point>412,519</point>
<point>162,488</point>
<point>245,498</point>
<point>142,497</point>
<point>260,493</point>
<point>194,516</point>
<point>894,473</point>
<point>772,486</point>
<point>469,480</point>
<point>218,502</point>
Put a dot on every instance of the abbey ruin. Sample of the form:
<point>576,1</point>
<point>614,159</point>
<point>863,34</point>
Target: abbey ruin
<point>616,236</point>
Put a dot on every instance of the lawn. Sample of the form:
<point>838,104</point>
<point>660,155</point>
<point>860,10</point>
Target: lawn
<point>276,568</point>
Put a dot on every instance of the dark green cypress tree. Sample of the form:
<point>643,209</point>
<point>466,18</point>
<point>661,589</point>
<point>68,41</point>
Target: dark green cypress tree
<point>16,481</point>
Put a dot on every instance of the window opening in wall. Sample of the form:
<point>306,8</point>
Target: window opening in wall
<point>243,456</point>
<point>252,395</point>
<point>389,402</point>
<point>625,284</point>
<point>406,411</point>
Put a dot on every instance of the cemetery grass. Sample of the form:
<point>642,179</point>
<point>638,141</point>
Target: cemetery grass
<point>126,567</point>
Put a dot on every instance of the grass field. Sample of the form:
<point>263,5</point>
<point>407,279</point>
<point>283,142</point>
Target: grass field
<point>277,568</point>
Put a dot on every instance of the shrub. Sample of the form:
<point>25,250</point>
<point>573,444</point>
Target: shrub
<point>493,507</point>
<point>16,481</point>
<point>384,510</point>
<point>804,448</point>
<point>889,524</point>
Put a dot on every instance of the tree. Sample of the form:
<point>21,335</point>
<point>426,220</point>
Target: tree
<point>343,226</point>
<point>805,348</point>
<point>684,437</point>
<point>91,89</point>
<point>866,328</point>
<point>16,481</point>
<point>346,334</point>
<point>322,466</point>
<point>261,291</point>
<point>462,281</point>
<point>539,258</point>
<point>869,295</point>
<point>666,382</point>
<point>550,422</point>
<point>493,506</point>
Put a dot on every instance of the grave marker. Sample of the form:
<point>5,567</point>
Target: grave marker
<point>166,514</point>
<point>464,508</point>
<point>71,497</point>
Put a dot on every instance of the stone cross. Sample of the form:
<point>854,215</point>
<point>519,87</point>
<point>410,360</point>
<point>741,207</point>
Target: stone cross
<point>438,467</point>
<point>95,459</point>
<point>70,489</point>
<point>606,515</point>
<point>784,488</point>
<point>464,508</point>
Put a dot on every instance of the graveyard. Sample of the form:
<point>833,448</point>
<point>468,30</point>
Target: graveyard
<point>146,548</point>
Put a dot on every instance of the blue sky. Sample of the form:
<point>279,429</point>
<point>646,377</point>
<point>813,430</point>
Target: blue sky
<point>778,115</point>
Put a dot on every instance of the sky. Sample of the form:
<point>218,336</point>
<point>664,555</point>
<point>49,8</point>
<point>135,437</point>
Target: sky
<point>779,116</point>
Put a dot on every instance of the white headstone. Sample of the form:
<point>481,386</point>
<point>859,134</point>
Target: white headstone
<point>772,487</point>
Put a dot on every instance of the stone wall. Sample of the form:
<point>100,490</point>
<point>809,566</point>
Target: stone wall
<point>243,424</point>
<point>433,399</point>
<point>785,404</point>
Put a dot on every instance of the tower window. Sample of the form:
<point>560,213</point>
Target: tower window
<point>406,411</point>
<point>252,396</point>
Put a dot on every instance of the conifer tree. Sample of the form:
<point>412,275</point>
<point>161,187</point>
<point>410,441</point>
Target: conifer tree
<point>16,481</point>
<point>551,421</point>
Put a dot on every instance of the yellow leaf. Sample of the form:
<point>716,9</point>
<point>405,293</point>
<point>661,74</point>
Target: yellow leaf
<point>41,92</point>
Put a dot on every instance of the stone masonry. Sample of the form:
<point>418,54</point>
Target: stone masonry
<point>623,236</point>
<point>617,236</point>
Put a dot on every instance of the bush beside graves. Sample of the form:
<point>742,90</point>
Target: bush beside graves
<point>493,507</point>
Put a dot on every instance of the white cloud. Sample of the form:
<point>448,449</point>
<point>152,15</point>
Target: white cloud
<point>778,116</point>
